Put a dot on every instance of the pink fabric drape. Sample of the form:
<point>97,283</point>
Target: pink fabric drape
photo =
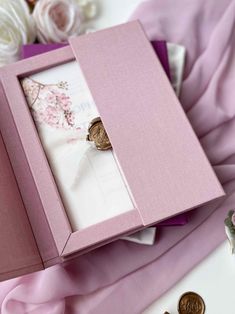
<point>123,277</point>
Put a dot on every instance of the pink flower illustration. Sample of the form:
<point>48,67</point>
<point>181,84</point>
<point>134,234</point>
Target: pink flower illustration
<point>51,98</point>
<point>64,101</point>
<point>49,104</point>
<point>52,115</point>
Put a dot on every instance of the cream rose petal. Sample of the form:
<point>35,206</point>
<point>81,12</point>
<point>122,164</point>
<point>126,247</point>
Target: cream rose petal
<point>16,28</point>
<point>45,15</point>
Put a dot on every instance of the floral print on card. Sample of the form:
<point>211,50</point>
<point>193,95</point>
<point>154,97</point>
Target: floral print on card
<point>50,104</point>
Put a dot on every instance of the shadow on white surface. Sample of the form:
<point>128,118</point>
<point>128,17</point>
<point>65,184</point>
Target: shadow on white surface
<point>213,279</point>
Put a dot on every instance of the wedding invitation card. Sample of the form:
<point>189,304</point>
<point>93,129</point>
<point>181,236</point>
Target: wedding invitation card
<point>90,181</point>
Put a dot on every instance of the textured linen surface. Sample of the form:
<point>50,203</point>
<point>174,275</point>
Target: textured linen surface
<point>124,277</point>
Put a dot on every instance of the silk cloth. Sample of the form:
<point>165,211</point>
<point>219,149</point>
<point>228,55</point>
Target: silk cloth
<point>126,277</point>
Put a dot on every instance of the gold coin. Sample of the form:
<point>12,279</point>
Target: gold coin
<point>98,135</point>
<point>191,303</point>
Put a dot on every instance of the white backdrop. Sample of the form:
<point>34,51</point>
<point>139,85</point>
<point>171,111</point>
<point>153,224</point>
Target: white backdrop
<point>213,278</point>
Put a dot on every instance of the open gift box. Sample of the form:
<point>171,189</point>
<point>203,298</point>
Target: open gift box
<point>155,170</point>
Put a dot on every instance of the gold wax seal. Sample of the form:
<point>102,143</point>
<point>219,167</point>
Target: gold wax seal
<point>191,303</point>
<point>98,135</point>
<point>32,3</point>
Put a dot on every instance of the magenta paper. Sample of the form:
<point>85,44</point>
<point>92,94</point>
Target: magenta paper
<point>31,50</point>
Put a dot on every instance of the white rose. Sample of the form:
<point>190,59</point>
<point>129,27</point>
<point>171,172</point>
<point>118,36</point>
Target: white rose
<point>57,20</point>
<point>16,28</point>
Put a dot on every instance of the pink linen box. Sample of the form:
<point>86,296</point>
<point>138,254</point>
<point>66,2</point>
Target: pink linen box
<point>160,157</point>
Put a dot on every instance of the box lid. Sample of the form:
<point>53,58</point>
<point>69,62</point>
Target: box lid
<point>158,152</point>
